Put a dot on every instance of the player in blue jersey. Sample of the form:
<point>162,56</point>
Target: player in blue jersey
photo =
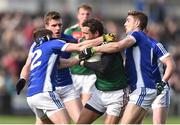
<point>143,55</point>
<point>43,59</point>
<point>64,87</point>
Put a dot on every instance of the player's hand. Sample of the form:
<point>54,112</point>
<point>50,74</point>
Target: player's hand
<point>110,37</point>
<point>20,85</point>
<point>86,53</point>
<point>160,87</point>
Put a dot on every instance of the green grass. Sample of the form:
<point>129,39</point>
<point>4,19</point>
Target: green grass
<point>170,120</point>
<point>5,119</point>
<point>13,119</point>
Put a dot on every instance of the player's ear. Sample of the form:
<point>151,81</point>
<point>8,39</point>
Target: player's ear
<point>137,23</point>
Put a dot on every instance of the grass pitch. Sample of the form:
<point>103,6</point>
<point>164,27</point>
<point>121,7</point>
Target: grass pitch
<point>13,119</point>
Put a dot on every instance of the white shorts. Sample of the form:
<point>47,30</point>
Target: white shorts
<point>162,100</point>
<point>143,97</point>
<point>84,83</point>
<point>111,102</point>
<point>67,93</point>
<point>46,103</point>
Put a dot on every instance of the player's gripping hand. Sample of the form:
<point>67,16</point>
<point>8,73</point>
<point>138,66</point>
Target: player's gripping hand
<point>20,85</point>
<point>86,53</point>
<point>110,37</point>
<point>160,87</point>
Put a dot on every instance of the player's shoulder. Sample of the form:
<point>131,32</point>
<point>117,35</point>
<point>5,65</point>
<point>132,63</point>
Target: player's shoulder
<point>154,42</point>
<point>67,37</point>
<point>57,41</point>
<point>71,28</point>
<point>74,26</point>
<point>137,33</point>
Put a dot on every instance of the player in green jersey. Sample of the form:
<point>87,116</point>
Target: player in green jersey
<point>83,78</point>
<point>110,94</point>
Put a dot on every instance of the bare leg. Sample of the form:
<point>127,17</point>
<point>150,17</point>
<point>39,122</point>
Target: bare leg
<point>60,117</point>
<point>160,115</point>
<point>110,119</point>
<point>140,119</point>
<point>133,114</point>
<point>43,121</point>
<point>85,97</point>
<point>74,108</point>
<point>87,116</point>
<point>39,121</point>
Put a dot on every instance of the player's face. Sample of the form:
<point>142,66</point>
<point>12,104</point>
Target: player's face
<point>83,15</point>
<point>87,33</point>
<point>131,24</point>
<point>55,26</point>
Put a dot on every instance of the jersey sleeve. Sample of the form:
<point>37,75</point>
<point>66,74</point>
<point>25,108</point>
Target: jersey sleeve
<point>134,36</point>
<point>160,51</point>
<point>68,38</point>
<point>58,46</point>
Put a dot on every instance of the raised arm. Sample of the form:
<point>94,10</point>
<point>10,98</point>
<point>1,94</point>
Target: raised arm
<point>92,42</point>
<point>115,46</point>
<point>105,38</point>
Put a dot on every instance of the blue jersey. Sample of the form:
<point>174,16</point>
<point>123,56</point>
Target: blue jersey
<point>143,59</point>
<point>63,75</point>
<point>43,69</point>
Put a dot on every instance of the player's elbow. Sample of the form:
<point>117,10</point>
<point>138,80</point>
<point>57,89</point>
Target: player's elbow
<point>170,65</point>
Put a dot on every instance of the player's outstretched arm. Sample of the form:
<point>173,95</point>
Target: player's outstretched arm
<point>115,46</point>
<point>73,47</point>
<point>65,63</point>
<point>105,38</point>
<point>92,42</point>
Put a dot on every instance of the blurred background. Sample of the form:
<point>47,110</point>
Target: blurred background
<point>18,18</point>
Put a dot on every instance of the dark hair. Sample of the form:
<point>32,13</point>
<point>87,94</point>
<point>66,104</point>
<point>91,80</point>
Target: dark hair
<point>41,35</point>
<point>141,17</point>
<point>51,15</point>
<point>94,25</point>
<point>85,6</point>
